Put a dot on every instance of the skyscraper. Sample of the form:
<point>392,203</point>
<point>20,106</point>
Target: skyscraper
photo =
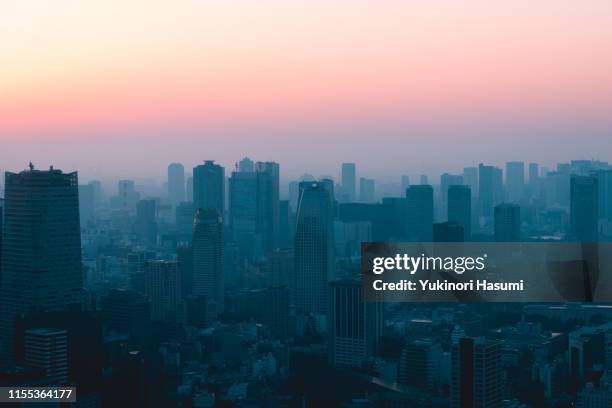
<point>86,203</point>
<point>604,190</point>
<point>314,247</point>
<point>446,181</point>
<point>268,203</point>
<point>349,181</point>
<point>515,180</point>
<point>354,325</point>
<point>533,174</point>
<point>163,288</point>
<point>470,179</point>
<point>209,187</point>
<point>176,183</point>
<point>476,373</point>
<point>243,212</point>
<point>448,232</point>
<point>507,223</point>
<point>246,165</point>
<point>460,208</point>
<point>584,213</point>
<point>41,251</point>
<point>419,202</point>
<point>207,255</point>
<point>127,195</point>
<point>490,189</point>
<point>146,223</point>
<point>367,190</point>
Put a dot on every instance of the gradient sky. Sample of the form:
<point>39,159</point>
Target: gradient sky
<point>122,88</point>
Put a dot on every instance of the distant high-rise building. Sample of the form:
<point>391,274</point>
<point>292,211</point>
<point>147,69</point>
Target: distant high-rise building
<point>349,181</point>
<point>127,195</point>
<point>47,349</point>
<point>163,288</point>
<point>184,213</point>
<point>447,180</point>
<point>354,325</point>
<point>243,212</point>
<point>246,165</point>
<point>86,203</point>
<point>460,208</point>
<point>314,247</point>
<point>285,225</point>
<point>281,268</point>
<point>41,250</point>
<point>507,223</point>
<point>476,373</point>
<point>207,246</point>
<point>146,221</point>
<point>424,180</point>
<point>470,179</point>
<point>448,232</point>
<point>584,212</point>
<point>209,187</point>
<point>419,364</point>
<point>419,203</point>
<point>98,193</point>
<point>367,190</point>
<point>515,180</point>
<point>490,189</point>
<point>534,175</point>
<point>176,183</point>
<point>268,203</point>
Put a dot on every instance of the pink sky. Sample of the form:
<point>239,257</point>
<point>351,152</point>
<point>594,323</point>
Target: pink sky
<point>101,68</point>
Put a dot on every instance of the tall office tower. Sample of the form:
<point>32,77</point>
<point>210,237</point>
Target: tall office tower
<point>268,203</point>
<point>127,311</point>
<point>314,247</point>
<point>146,223</point>
<point>584,203</point>
<point>86,203</point>
<point>419,364</point>
<point>41,250</point>
<point>507,223</point>
<point>490,189</point>
<point>405,183</point>
<point>209,187</point>
<point>460,208</point>
<point>447,180</point>
<point>207,247</point>
<point>189,189</point>
<point>534,175</point>
<point>176,183</point>
<point>367,190</point>
<point>470,179</point>
<point>285,225</point>
<point>424,180</point>
<point>476,371</point>
<point>184,256</point>
<point>126,192</point>
<point>354,325</point>
<point>419,204</point>
<point>163,288</point>
<point>604,190</point>
<point>243,213</point>
<point>515,180</point>
<point>246,165</point>
<point>448,232</point>
<point>349,183</point>
<point>47,349</point>
<point>98,193</point>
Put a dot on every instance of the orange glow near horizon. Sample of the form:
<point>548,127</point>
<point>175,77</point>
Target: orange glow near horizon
<point>68,64</point>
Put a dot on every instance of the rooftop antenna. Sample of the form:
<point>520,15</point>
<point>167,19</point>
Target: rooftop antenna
<point>31,166</point>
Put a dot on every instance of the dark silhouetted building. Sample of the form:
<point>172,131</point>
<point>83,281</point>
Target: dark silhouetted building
<point>367,190</point>
<point>419,364</point>
<point>146,221</point>
<point>448,232</point>
<point>41,250</point>
<point>314,247</point>
<point>420,213</point>
<point>507,223</point>
<point>584,212</point>
<point>490,189</point>
<point>47,349</point>
<point>207,247</point>
<point>349,183</point>
<point>460,208</point>
<point>209,187</point>
<point>515,180</point>
<point>163,288</point>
